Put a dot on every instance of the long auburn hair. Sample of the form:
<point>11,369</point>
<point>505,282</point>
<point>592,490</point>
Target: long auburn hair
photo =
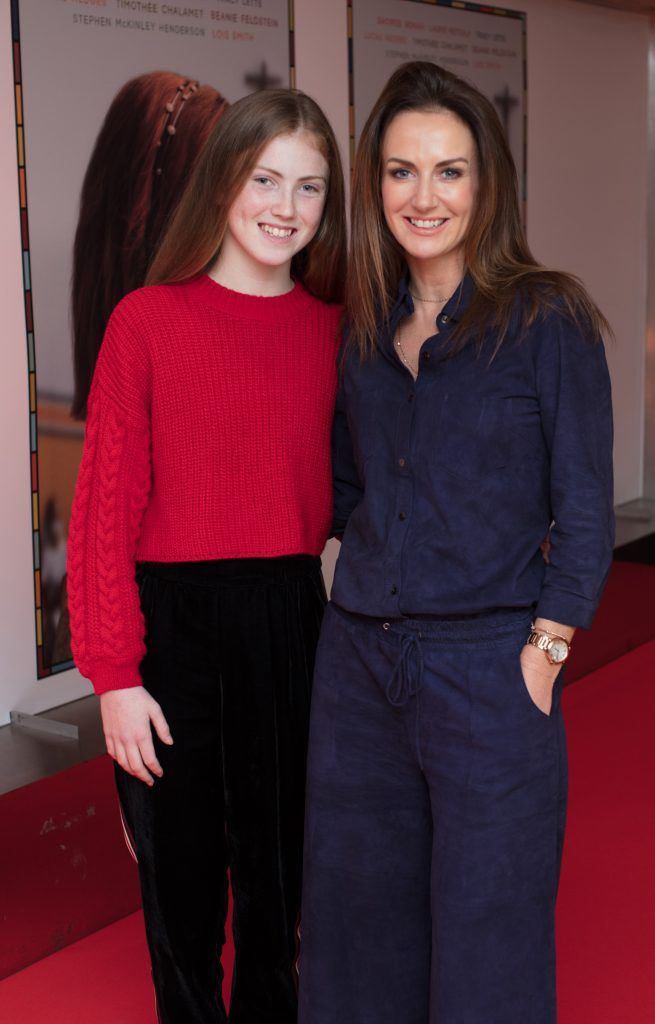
<point>496,253</point>
<point>135,177</point>
<point>194,237</point>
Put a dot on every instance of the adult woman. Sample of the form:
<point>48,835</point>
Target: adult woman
<point>474,411</point>
<point>207,464</point>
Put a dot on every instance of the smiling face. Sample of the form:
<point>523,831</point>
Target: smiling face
<point>278,211</point>
<point>429,180</point>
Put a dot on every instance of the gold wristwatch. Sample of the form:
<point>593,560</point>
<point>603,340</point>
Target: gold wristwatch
<point>555,647</point>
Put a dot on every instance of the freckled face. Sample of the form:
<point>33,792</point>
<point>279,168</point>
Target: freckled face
<point>429,179</point>
<point>279,209</point>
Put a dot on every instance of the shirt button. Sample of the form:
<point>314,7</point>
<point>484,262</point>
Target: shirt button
<point>401,463</point>
<point>402,516</point>
<point>410,397</point>
<point>394,589</point>
<point>445,319</point>
<point>426,357</point>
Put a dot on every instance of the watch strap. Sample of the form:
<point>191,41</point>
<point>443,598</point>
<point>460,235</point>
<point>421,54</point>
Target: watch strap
<point>540,640</point>
<point>543,639</point>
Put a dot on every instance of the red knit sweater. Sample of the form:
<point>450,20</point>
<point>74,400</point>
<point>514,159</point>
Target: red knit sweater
<point>207,437</point>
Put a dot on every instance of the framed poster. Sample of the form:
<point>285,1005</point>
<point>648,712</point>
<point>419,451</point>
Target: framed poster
<point>71,58</point>
<point>483,44</point>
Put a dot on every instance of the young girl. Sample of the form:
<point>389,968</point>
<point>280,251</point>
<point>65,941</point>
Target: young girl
<point>206,475</point>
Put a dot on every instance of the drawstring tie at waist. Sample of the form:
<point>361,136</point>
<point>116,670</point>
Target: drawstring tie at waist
<point>404,683</point>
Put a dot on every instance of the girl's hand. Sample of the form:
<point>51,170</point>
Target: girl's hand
<point>539,677</point>
<point>127,717</point>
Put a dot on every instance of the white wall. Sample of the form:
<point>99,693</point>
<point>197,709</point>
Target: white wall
<point>587,183</point>
<point>587,180</point>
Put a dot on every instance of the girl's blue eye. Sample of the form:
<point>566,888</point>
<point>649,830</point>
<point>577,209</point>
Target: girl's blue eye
<point>307,186</point>
<point>401,173</point>
<point>261,179</point>
<point>451,173</point>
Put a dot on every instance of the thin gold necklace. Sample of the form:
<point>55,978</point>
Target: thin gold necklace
<point>420,298</point>
<point>399,346</point>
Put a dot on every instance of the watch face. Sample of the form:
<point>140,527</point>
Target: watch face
<point>558,651</point>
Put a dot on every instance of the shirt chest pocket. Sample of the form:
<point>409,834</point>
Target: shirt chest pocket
<point>473,434</point>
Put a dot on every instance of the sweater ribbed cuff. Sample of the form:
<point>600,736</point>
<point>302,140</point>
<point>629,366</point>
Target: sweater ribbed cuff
<point>113,676</point>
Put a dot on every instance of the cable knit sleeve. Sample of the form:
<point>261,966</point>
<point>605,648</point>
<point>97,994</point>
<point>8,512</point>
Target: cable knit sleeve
<point>113,485</point>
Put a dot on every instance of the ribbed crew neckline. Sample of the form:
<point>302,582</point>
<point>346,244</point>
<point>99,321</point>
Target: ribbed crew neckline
<point>266,308</point>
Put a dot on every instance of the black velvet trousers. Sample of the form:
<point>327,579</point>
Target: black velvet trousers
<point>230,654</point>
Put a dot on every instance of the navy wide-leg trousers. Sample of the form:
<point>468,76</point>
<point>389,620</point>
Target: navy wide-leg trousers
<point>436,796</point>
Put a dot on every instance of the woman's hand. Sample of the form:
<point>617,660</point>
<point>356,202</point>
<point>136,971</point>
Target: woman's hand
<point>539,676</point>
<point>127,716</point>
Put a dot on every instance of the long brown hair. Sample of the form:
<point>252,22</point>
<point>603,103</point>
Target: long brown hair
<point>496,250</point>
<point>193,240</point>
<point>135,177</point>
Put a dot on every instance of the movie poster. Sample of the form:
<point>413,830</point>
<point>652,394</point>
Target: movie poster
<point>71,57</point>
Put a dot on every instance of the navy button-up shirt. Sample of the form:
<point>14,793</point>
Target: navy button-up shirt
<point>445,487</point>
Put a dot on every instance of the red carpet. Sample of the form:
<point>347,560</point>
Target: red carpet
<point>606,914</point>
<point>606,910</point>
<point>623,621</point>
<point>102,979</point>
